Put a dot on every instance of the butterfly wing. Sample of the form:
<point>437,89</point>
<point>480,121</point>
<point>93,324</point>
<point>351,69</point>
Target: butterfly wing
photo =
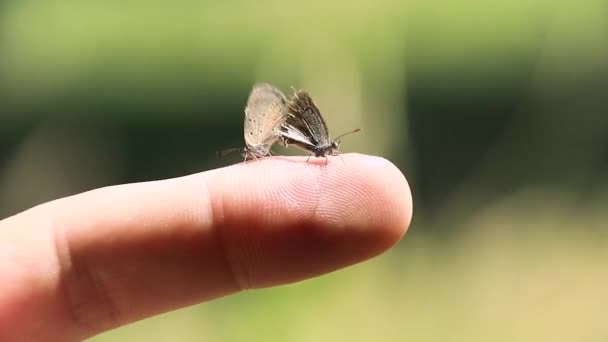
<point>264,114</point>
<point>304,126</point>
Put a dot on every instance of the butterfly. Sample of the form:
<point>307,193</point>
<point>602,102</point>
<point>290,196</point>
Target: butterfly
<point>264,115</point>
<point>305,127</point>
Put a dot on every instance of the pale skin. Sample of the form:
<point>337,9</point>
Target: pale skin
<point>81,265</point>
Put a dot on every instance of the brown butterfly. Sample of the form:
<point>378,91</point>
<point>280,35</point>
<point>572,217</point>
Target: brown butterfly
<point>305,127</point>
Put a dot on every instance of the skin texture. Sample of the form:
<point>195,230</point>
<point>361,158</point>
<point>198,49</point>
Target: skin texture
<point>77,266</point>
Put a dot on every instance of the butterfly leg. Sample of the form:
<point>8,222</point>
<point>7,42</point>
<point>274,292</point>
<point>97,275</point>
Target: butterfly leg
<point>309,157</point>
<point>283,142</point>
<point>249,156</point>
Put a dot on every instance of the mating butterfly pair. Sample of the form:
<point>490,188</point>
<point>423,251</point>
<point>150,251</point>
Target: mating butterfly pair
<point>271,117</point>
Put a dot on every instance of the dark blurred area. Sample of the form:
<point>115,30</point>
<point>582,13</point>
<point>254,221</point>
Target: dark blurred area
<point>495,111</point>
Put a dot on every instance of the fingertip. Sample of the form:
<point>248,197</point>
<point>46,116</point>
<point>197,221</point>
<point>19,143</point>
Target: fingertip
<point>395,193</point>
<point>285,219</point>
<point>382,198</point>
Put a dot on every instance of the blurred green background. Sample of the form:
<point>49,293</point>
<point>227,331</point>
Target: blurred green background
<point>496,111</point>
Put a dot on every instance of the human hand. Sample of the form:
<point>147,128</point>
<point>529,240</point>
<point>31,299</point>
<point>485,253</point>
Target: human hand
<point>77,266</point>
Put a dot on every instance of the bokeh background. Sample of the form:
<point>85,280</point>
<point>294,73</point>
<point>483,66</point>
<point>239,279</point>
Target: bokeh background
<point>496,111</point>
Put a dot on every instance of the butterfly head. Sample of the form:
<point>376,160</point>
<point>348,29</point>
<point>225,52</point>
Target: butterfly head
<point>335,148</point>
<point>335,145</point>
<point>256,151</point>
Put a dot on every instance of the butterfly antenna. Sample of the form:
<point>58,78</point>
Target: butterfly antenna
<point>223,153</point>
<point>347,133</point>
